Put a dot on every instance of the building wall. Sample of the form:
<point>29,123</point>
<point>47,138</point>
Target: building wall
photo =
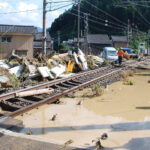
<point>39,49</point>
<point>97,49</point>
<point>94,49</point>
<point>120,44</point>
<point>19,43</point>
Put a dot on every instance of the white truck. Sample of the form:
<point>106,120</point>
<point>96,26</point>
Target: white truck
<point>110,54</point>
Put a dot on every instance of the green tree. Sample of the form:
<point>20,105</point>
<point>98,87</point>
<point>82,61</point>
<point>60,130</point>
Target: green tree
<point>67,22</point>
<point>62,48</point>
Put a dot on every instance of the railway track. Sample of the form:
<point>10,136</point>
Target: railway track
<point>61,87</point>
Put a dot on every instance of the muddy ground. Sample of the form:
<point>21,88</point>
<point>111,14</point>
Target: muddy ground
<point>123,111</point>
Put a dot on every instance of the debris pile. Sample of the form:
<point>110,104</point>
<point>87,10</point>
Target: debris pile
<point>21,72</point>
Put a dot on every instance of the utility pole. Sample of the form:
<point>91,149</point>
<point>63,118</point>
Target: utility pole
<point>128,29</point>
<point>148,43</point>
<point>78,41</point>
<point>86,32</point>
<point>58,33</point>
<point>44,28</point>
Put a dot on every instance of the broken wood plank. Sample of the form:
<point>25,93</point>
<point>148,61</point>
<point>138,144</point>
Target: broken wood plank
<point>34,92</point>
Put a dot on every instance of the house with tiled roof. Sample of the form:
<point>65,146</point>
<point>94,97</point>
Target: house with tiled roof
<point>16,37</point>
<point>95,43</point>
<point>119,41</point>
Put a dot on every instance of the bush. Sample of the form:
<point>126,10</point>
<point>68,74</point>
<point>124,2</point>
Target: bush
<point>128,82</point>
<point>29,132</point>
<point>97,89</point>
<point>136,51</point>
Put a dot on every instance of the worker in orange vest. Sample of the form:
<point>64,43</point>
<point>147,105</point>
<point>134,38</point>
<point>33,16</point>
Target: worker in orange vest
<point>120,55</point>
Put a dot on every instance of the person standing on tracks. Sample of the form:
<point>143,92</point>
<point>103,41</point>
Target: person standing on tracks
<point>120,55</point>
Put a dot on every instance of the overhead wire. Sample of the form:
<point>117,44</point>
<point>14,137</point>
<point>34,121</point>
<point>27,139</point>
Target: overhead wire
<point>15,12</point>
<point>110,15</point>
<point>106,13</point>
<point>102,19</point>
<point>142,16</point>
<point>97,22</point>
<point>134,3</point>
<point>148,23</point>
<point>61,7</point>
<point>30,10</point>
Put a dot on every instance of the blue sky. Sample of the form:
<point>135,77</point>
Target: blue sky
<point>27,18</point>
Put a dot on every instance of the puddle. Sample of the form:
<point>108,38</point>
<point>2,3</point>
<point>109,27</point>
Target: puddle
<point>129,102</point>
<point>122,112</point>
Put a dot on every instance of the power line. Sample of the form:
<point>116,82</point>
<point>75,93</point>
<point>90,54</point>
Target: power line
<point>142,16</point>
<point>94,16</point>
<point>97,22</point>
<point>59,2</point>
<point>103,19</point>
<point>60,7</point>
<point>35,10</point>
<point>137,12</point>
<point>15,12</point>
<point>134,3</point>
<point>106,13</point>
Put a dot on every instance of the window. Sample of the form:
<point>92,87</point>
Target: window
<point>21,52</point>
<point>6,39</point>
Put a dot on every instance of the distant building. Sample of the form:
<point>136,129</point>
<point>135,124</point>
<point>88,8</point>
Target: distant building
<point>96,43</point>
<point>119,41</point>
<point>38,42</point>
<point>18,38</point>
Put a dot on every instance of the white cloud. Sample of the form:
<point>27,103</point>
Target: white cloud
<point>3,5</point>
<point>25,18</point>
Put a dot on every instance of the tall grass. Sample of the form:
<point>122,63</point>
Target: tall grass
<point>97,89</point>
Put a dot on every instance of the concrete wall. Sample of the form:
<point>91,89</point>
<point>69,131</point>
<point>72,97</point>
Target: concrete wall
<point>19,43</point>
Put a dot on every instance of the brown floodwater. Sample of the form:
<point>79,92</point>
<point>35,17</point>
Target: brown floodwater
<point>123,111</point>
<point>129,102</point>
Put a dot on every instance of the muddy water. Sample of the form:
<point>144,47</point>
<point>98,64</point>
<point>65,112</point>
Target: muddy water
<point>123,112</point>
<point>129,102</point>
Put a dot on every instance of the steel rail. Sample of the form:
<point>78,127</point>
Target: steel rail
<point>62,87</point>
<point>44,85</point>
<point>59,95</point>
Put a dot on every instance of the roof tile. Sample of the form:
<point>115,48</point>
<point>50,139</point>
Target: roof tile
<point>17,29</point>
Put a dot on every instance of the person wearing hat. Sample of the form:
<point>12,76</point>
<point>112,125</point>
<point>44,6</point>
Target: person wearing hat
<point>120,55</point>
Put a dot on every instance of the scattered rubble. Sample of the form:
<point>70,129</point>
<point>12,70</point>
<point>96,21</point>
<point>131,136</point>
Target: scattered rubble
<point>3,64</point>
<point>21,72</point>
<point>45,72</point>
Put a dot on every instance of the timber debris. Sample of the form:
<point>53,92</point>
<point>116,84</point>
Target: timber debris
<point>19,71</point>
